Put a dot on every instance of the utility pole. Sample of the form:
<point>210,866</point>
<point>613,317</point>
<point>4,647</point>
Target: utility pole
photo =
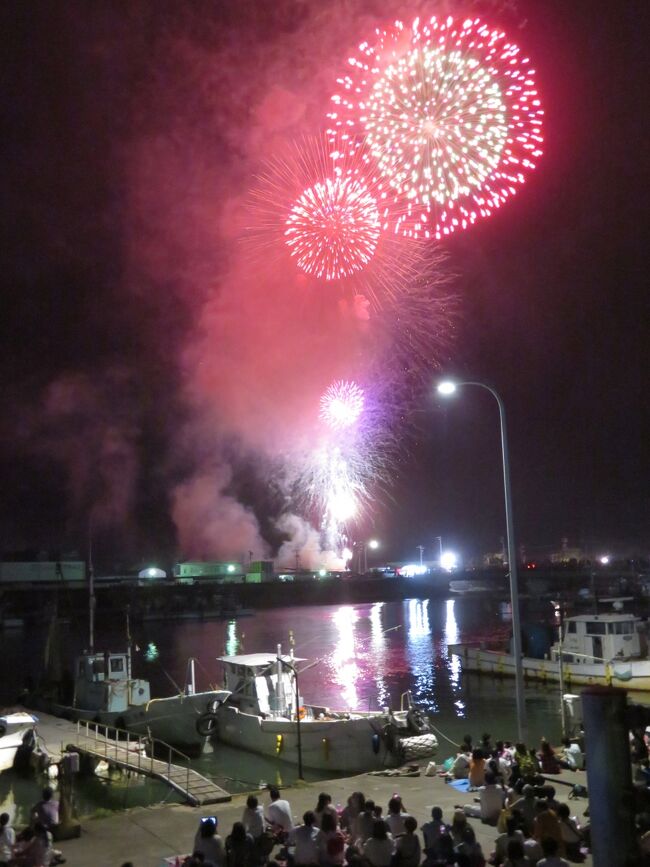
<point>421,550</point>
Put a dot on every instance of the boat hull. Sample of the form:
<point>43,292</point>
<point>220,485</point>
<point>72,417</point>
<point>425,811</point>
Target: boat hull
<point>632,674</point>
<point>172,720</point>
<point>343,745</point>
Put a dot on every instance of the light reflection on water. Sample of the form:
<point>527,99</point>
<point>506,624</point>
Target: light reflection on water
<point>367,656</point>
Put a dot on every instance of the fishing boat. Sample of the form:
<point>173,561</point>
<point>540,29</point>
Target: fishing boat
<point>104,690</point>
<point>608,648</point>
<point>16,728</point>
<point>265,714</point>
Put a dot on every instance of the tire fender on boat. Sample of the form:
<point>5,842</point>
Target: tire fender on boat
<point>207,725</point>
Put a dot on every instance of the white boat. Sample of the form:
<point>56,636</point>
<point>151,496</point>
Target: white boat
<point>607,648</point>
<point>13,729</point>
<point>264,714</point>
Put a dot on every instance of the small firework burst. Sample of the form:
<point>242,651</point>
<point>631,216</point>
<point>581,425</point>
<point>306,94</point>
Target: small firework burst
<point>342,404</point>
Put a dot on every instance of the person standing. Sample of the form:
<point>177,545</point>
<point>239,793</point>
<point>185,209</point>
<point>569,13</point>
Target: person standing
<point>253,817</point>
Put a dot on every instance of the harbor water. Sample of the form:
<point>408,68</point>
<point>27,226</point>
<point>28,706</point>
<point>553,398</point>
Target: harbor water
<point>361,657</point>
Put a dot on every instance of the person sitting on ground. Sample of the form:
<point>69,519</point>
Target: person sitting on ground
<point>547,758</point>
<point>7,839</point>
<point>515,855</point>
<point>526,806</point>
<point>306,839</point>
<point>431,832</point>
<point>46,811</point>
<point>208,843</point>
<point>486,743</point>
<point>396,816</point>
<point>408,851</point>
<point>365,822</point>
<point>353,857</point>
<point>476,774</point>
<point>460,766</point>
<point>458,824</point>
<point>378,849</point>
<point>550,848</point>
<point>278,812</point>
<point>30,850</point>
<point>240,847</point>
<point>572,757</point>
<point>324,805</point>
<point>523,765</point>
<point>571,834</point>
<point>469,848</point>
<point>491,798</point>
<point>351,812</point>
<point>253,817</point>
<point>547,825</point>
<point>332,842</point>
<point>512,832</point>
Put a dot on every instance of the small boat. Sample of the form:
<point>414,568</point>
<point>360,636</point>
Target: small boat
<point>15,729</point>
<point>265,714</point>
<point>608,648</point>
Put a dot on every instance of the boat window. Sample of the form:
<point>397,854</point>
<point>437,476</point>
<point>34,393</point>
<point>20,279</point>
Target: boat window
<point>98,666</point>
<point>117,664</point>
<point>623,628</point>
<point>596,627</point>
<point>571,626</point>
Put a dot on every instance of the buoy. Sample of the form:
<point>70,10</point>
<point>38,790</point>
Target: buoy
<point>278,744</point>
<point>207,725</point>
<point>376,743</point>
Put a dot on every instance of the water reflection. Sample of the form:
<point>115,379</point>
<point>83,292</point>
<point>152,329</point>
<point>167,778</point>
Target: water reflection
<point>232,642</point>
<point>451,635</point>
<point>421,653</point>
<point>379,656</point>
<point>343,659</point>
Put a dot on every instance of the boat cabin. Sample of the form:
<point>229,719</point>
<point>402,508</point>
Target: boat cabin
<point>261,684</point>
<point>103,682</point>
<point>594,638</point>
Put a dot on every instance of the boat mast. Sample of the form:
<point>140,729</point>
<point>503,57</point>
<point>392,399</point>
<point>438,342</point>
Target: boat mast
<point>280,700</point>
<point>91,591</point>
<point>128,643</point>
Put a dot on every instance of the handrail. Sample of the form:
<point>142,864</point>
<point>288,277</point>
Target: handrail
<point>141,741</point>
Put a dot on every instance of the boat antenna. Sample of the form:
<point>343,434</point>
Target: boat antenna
<point>91,590</point>
<point>128,642</point>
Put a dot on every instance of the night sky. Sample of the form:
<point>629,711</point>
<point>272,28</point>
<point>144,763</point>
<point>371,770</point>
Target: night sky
<point>130,134</point>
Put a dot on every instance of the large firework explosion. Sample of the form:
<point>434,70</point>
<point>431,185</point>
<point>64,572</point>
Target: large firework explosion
<point>342,404</point>
<point>449,116</point>
<point>323,206</point>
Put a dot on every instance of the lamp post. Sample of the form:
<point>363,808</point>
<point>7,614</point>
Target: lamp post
<point>447,388</point>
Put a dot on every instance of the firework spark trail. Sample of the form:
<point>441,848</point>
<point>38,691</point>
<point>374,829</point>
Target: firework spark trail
<point>324,205</point>
<point>450,116</point>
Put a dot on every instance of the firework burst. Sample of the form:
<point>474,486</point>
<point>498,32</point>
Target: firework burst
<point>325,206</point>
<point>451,119</point>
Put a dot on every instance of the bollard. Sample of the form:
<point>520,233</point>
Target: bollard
<point>609,776</point>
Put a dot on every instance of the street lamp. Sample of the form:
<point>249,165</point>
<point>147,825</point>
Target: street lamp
<point>446,389</point>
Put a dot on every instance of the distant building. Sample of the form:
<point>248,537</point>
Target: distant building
<point>566,554</point>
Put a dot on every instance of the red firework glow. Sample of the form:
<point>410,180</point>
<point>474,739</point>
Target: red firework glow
<point>333,228</point>
<point>451,119</point>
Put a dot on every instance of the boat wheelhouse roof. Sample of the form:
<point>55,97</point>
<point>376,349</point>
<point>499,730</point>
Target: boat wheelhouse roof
<point>18,718</point>
<point>257,660</point>
<point>607,617</point>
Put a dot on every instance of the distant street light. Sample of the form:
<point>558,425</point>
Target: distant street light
<point>447,388</point>
<point>374,544</point>
<point>448,561</point>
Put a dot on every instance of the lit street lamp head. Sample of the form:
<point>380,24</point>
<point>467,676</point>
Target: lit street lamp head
<point>446,387</point>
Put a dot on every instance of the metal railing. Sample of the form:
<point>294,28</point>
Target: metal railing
<point>131,749</point>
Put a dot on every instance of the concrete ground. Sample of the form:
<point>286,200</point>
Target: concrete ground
<point>148,836</point>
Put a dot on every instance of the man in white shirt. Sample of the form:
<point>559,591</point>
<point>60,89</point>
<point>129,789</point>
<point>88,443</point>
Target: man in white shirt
<point>278,813</point>
<point>572,757</point>
<point>306,839</point>
<point>491,799</point>
<point>7,839</point>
